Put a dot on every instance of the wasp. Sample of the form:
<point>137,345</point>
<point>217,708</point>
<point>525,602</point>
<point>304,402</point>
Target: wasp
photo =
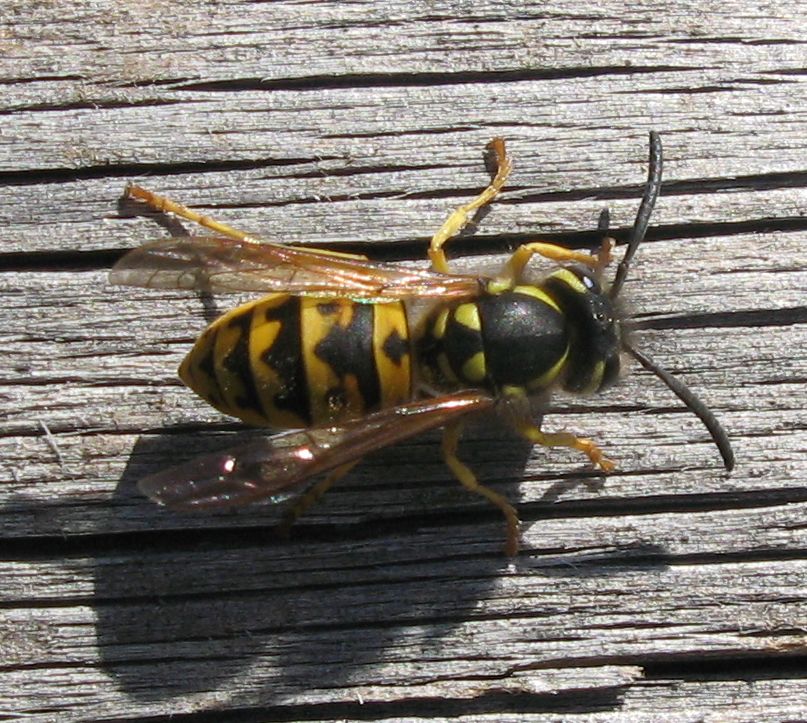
<point>332,350</point>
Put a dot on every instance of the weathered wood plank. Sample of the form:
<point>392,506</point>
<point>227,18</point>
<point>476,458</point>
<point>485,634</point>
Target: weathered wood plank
<point>334,129</point>
<point>276,41</point>
<point>85,216</point>
<point>429,630</point>
<point>669,589</point>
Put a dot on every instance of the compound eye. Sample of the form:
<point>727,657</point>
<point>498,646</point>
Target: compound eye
<point>588,279</point>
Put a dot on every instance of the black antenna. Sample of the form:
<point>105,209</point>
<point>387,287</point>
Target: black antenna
<point>695,405</point>
<point>651,193</point>
<point>604,221</point>
<point>681,390</point>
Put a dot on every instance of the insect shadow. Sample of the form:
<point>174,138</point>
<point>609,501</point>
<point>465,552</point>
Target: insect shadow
<point>397,554</point>
<point>220,593</point>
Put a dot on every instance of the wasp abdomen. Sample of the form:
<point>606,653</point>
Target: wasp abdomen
<point>289,361</point>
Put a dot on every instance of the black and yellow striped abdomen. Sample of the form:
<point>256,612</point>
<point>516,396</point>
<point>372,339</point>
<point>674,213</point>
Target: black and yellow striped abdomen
<point>288,361</point>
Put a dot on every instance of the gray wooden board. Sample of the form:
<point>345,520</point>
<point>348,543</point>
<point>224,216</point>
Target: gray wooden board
<point>670,589</point>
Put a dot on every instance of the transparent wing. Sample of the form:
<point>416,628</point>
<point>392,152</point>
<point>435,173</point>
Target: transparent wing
<point>218,264</point>
<point>274,466</point>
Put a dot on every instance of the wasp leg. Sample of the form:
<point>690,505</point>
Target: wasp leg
<point>166,205</point>
<point>534,434</point>
<point>163,204</point>
<point>461,216</point>
<point>513,269</point>
<point>311,497</point>
<point>604,255</point>
<point>451,437</point>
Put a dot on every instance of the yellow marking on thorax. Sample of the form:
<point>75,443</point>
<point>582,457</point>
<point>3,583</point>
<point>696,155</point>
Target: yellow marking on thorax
<point>474,369</point>
<point>545,380</point>
<point>468,315</point>
<point>536,293</point>
<point>571,280</point>
<point>498,286</point>
<point>439,326</point>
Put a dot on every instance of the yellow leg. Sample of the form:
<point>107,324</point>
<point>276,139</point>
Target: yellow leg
<point>511,273</point>
<point>513,269</point>
<point>461,216</point>
<point>604,255</point>
<point>163,204</point>
<point>565,439</point>
<point>311,497</point>
<point>451,437</point>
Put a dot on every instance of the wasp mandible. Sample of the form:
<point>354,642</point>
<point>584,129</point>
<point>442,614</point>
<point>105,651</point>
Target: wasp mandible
<point>333,351</point>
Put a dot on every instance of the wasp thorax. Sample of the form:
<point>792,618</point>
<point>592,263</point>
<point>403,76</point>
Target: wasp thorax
<point>514,338</point>
<point>529,338</point>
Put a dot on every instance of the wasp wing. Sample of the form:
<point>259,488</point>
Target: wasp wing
<point>218,264</point>
<point>275,466</point>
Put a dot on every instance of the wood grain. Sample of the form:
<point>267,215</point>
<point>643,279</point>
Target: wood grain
<point>668,590</point>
